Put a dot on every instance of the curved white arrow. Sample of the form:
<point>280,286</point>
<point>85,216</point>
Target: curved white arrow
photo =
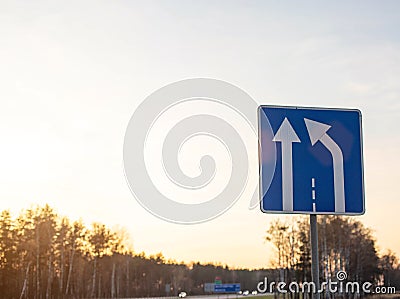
<point>318,132</point>
<point>286,135</point>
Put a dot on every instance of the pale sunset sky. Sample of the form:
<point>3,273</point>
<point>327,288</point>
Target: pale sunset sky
<point>73,72</point>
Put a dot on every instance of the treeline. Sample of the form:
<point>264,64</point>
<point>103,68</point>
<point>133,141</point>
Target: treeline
<point>344,245</point>
<point>43,255</point>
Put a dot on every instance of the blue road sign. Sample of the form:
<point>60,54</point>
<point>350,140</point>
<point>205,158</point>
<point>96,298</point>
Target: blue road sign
<point>227,288</point>
<point>311,160</point>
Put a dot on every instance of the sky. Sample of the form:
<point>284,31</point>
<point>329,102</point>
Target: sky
<point>73,72</point>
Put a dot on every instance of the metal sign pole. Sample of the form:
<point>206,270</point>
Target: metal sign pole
<point>314,254</point>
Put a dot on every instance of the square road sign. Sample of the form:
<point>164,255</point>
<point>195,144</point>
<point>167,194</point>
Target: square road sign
<point>311,160</point>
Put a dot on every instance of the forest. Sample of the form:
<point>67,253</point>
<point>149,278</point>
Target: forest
<point>44,255</point>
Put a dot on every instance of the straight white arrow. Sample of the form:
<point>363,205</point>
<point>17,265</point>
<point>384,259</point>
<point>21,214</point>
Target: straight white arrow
<point>318,132</point>
<point>287,135</point>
